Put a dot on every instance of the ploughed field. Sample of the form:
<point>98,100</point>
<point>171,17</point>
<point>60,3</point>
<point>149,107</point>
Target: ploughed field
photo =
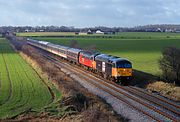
<point>21,89</point>
<point>142,48</point>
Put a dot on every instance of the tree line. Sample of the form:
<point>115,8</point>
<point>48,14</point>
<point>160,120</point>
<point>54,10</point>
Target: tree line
<point>145,28</point>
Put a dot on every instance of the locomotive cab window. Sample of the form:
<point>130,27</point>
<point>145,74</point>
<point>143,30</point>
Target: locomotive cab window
<point>123,65</point>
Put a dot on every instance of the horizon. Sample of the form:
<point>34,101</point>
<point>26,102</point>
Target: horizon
<point>92,26</point>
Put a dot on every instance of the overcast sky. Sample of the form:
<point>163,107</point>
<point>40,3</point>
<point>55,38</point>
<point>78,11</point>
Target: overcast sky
<point>86,13</point>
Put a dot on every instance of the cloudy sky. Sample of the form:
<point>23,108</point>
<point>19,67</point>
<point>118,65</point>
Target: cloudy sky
<point>86,13</point>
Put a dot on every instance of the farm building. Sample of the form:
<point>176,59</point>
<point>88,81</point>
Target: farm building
<point>89,32</point>
<point>99,32</point>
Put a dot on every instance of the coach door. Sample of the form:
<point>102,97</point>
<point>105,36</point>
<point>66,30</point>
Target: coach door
<point>103,66</point>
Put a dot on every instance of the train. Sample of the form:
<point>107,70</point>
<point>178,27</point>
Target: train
<point>110,67</point>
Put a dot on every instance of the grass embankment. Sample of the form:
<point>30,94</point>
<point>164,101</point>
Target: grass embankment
<point>143,49</point>
<point>21,89</point>
<point>166,89</point>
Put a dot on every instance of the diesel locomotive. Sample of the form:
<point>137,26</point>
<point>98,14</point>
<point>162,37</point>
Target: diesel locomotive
<point>110,67</point>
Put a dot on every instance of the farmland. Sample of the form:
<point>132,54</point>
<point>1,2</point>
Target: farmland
<point>45,34</point>
<point>143,49</point>
<point>21,88</point>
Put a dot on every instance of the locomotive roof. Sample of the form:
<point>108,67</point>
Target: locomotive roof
<point>89,54</point>
<point>109,58</point>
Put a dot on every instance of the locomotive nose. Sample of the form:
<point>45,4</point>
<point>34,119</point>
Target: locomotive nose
<point>124,71</point>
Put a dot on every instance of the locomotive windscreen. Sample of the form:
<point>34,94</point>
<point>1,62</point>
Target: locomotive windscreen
<point>123,65</point>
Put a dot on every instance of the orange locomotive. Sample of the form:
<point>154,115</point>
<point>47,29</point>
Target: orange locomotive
<point>113,67</point>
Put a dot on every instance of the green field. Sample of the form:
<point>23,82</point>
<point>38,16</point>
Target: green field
<point>143,49</point>
<point>45,34</point>
<point>21,88</point>
<point>147,35</point>
<point>121,35</point>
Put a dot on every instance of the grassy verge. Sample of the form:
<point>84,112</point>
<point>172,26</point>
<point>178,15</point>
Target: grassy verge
<point>166,89</point>
<point>57,94</point>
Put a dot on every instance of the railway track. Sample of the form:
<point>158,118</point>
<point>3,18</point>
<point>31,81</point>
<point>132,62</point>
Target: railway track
<point>156,100</point>
<point>156,108</point>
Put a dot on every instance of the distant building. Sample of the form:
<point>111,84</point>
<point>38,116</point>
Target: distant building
<point>41,30</point>
<point>26,30</point>
<point>168,30</point>
<point>99,32</point>
<point>159,30</point>
<point>177,30</point>
<point>89,32</point>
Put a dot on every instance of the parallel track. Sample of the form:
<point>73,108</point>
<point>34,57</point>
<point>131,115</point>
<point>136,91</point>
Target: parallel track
<point>156,100</point>
<point>135,92</point>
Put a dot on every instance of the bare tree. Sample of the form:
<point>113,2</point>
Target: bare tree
<point>74,44</point>
<point>170,64</point>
